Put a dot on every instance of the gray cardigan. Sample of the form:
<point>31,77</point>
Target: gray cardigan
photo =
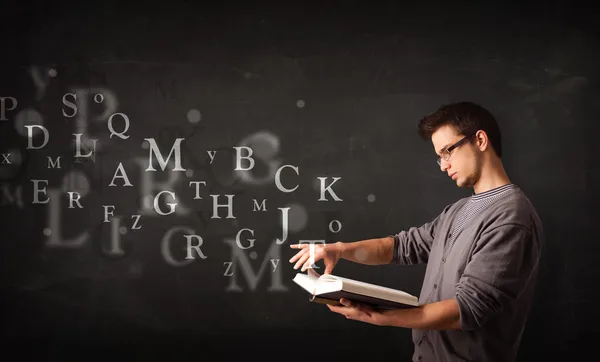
<point>483,251</point>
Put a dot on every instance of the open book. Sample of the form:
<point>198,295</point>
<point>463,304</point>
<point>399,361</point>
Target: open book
<point>329,289</point>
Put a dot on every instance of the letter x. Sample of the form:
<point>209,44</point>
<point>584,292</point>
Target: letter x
<point>6,160</point>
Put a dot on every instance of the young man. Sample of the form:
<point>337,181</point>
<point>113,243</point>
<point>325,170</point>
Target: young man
<point>482,251</point>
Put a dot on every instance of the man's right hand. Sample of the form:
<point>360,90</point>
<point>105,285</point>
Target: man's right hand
<point>330,253</point>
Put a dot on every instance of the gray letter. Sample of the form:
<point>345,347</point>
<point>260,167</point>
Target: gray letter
<point>248,272</point>
<point>3,108</point>
<point>106,212</point>
<point>55,164</point>
<point>166,243</point>
<point>9,198</point>
<point>135,222</point>
<point>69,104</point>
<point>229,264</point>
<point>37,190</point>
<point>211,155</point>
<point>115,238</point>
<point>54,224</point>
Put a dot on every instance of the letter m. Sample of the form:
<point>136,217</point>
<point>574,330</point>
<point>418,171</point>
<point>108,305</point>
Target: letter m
<point>240,259</point>
<point>55,164</point>
<point>154,150</point>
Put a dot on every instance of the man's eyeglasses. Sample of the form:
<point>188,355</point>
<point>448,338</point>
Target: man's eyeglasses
<point>447,152</point>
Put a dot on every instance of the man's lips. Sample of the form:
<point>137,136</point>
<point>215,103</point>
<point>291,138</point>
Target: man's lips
<point>453,176</point>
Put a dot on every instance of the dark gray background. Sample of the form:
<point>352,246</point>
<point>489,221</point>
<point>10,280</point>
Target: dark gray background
<point>366,75</point>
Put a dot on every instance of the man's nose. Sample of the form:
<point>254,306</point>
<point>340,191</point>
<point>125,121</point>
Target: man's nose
<point>443,165</point>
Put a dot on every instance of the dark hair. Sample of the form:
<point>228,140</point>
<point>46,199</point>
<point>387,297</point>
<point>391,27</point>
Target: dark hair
<point>467,118</point>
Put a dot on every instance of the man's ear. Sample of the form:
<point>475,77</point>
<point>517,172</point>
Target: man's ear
<point>482,141</point>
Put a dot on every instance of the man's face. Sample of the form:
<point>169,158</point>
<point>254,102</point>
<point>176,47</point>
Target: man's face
<point>464,164</point>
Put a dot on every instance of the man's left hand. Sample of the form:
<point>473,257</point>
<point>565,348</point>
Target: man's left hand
<point>358,311</point>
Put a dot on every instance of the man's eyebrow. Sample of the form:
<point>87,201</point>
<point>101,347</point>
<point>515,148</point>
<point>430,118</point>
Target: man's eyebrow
<point>443,148</point>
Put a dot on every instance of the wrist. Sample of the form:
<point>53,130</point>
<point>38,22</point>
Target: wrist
<point>341,248</point>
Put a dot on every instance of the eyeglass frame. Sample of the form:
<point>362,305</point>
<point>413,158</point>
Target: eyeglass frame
<point>447,152</point>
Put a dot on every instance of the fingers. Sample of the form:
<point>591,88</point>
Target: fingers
<point>298,255</point>
<point>359,306</point>
<point>346,303</point>
<point>302,260</point>
<point>299,246</point>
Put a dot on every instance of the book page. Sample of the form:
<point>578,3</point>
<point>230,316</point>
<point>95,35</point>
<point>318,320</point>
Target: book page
<point>305,281</point>
<point>313,275</point>
<point>377,291</point>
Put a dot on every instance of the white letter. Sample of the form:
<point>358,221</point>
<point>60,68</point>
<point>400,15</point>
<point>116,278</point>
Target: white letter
<point>79,144</point>
<point>211,155</point>
<point>197,184</point>
<point>311,251</point>
<point>122,134</point>
<point>30,145</point>
<point>278,179</point>
<point>239,157</point>
<point>196,247</point>
<point>37,190</point>
<point>76,200</point>
<point>156,151</point>
<point>135,222</point>
<point>284,217</point>
<point>123,176</point>
<point>331,226</point>
<point>257,206</point>
<point>237,239</point>
<point>171,205</point>
<point>229,206</point>
<point>328,188</point>
<point>149,185</point>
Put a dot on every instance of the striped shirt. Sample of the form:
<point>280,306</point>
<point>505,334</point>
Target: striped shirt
<point>483,251</point>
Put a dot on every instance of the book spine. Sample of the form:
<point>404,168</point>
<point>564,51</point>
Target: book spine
<point>315,299</point>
